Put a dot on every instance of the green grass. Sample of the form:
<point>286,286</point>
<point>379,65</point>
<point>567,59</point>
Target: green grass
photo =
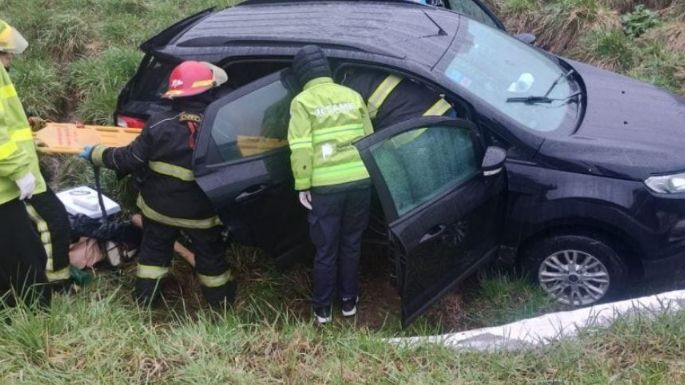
<point>82,52</point>
<point>99,336</point>
<point>620,35</point>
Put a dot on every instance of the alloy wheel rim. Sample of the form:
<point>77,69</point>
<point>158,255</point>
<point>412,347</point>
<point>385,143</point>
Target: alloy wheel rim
<point>574,277</point>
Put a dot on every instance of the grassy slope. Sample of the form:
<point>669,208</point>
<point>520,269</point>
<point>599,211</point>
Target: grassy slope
<point>82,51</point>
<point>81,54</point>
<point>99,336</point>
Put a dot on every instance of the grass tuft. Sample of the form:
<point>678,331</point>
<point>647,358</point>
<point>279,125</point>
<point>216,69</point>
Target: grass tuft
<point>100,80</point>
<point>609,49</point>
<point>42,91</point>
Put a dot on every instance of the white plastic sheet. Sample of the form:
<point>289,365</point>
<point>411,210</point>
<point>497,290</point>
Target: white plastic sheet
<point>539,331</point>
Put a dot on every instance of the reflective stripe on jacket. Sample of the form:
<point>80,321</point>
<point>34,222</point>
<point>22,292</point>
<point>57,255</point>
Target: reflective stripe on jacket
<point>325,118</point>
<point>392,99</point>
<point>17,152</point>
<point>161,158</point>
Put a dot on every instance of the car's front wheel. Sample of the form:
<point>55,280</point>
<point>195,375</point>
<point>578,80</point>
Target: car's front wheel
<point>576,270</point>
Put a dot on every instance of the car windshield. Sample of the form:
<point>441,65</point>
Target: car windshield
<point>497,68</point>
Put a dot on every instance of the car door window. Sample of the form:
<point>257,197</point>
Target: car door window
<point>252,124</point>
<point>473,11</point>
<point>420,164</point>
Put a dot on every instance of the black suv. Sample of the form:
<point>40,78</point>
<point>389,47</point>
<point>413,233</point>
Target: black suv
<point>592,190</point>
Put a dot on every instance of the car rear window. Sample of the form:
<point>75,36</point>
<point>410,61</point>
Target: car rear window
<point>151,83</point>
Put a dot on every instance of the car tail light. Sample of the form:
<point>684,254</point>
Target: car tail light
<point>130,122</point>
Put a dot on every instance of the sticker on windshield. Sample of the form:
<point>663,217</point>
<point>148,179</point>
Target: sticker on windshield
<point>456,76</point>
<point>522,84</point>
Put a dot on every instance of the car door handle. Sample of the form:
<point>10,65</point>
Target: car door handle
<point>250,193</point>
<point>433,233</point>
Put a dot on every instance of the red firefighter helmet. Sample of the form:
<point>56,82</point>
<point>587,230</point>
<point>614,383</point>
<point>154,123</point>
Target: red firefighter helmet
<point>192,78</point>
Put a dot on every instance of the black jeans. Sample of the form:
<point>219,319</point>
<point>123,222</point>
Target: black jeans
<point>336,223</point>
<point>52,222</point>
<point>216,280</point>
<point>22,256</point>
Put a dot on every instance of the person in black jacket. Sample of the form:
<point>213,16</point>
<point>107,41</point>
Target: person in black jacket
<point>170,199</point>
<point>393,99</point>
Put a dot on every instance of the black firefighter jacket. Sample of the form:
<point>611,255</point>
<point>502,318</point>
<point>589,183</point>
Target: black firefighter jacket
<point>161,157</point>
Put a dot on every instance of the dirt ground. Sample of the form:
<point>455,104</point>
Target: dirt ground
<point>290,290</point>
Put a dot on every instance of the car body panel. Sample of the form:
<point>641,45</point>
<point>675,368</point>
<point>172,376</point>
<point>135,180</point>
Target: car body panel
<point>445,238</point>
<point>631,129</point>
<point>544,200</point>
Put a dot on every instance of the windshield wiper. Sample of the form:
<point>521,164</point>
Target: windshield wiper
<point>541,99</point>
<point>545,98</point>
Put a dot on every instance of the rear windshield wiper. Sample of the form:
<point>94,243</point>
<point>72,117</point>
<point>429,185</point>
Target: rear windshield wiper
<point>545,98</point>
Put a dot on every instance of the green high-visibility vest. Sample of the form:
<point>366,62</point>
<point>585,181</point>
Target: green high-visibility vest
<point>325,118</point>
<point>17,151</point>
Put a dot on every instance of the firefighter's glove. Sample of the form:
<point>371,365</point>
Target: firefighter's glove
<point>306,199</point>
<point>26,185</point>
<point>86,153</point>
<point>37,123</point>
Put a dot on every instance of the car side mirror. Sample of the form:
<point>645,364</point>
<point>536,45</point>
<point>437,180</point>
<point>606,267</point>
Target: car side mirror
<point>527,38</point>
<point>493,161</point>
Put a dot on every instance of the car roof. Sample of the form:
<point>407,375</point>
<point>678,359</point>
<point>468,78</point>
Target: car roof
<point>399,30</point>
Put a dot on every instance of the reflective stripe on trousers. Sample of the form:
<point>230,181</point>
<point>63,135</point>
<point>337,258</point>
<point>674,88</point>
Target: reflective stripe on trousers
<point>215,280</point>
<point>151,272</point>
<point>46,239</point>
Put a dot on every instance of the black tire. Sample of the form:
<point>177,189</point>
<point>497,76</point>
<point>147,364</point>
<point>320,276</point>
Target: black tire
<point>578,247</point>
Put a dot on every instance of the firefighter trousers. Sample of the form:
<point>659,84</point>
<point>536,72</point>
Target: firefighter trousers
<point>22,264</point>
<point>213,271</point>
<point>336,223</point>
<point>52,222</point>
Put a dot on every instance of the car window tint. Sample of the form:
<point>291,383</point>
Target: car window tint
<point>420,164</point>
<point>252,124</point>
<point>473,11</point>
<point>152,82</point>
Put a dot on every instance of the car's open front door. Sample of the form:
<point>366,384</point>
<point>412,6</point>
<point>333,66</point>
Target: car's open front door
<point>444,207</point>
<point>241,162</point>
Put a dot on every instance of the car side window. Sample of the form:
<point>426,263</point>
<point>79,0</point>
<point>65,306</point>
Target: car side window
<point>421,164</point>
<point>473,11</point>
<point>252,124</point>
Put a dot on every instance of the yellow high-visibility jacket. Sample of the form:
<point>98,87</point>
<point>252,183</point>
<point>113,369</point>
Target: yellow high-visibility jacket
<point>17,151</point>
<point>325,118</point>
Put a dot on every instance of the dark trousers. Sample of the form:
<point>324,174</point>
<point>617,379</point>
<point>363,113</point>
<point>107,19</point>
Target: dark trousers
<point>22,257</point>
<point>336,223</point>
<point>216,279</point>
<point>52,222</point>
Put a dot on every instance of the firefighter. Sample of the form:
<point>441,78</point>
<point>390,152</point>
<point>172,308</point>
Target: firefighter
<point>170,200</point>
<point>22,266</point>
<point>325,118</point>
<point>392,98</point>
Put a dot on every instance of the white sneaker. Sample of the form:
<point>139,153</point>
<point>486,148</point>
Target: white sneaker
<point>323,315</point>
<point>349,306</point>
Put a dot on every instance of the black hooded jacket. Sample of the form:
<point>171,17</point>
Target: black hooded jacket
<point>406,101</point>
